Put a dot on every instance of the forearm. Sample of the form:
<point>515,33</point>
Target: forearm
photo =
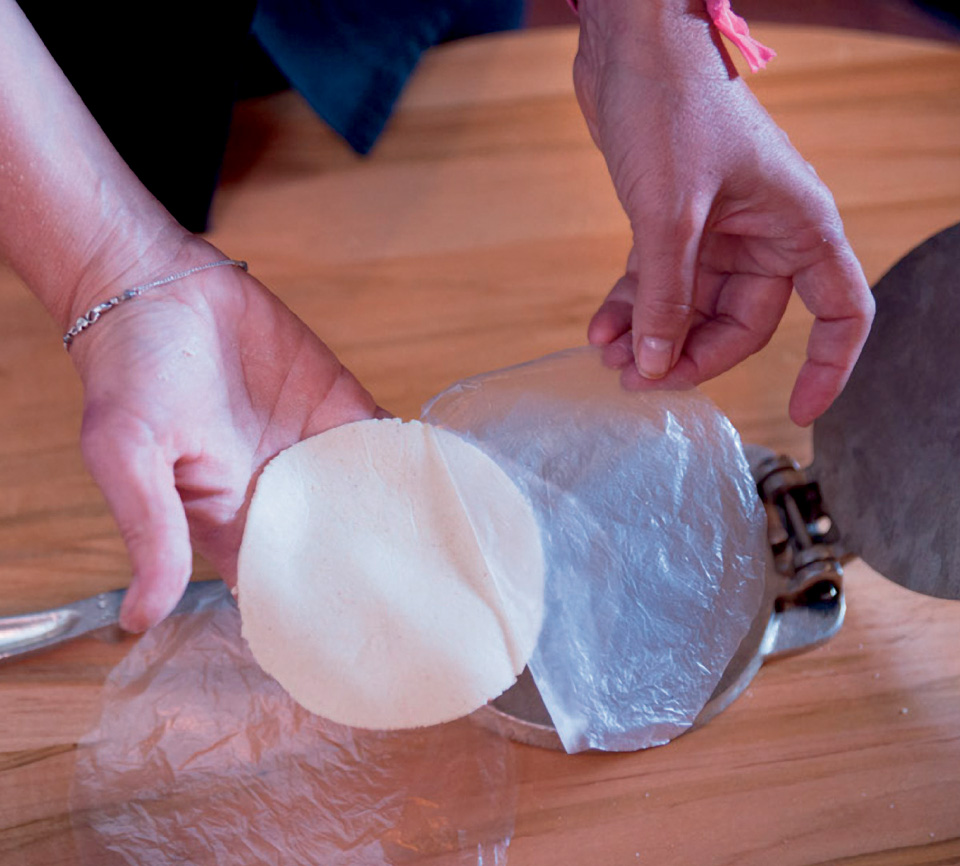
<point>75,222</point>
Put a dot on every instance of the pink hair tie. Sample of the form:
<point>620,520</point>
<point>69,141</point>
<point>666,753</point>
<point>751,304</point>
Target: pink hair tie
<point>735,29</point>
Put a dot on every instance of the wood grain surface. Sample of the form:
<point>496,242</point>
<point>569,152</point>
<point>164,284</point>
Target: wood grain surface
<point>484,231</point>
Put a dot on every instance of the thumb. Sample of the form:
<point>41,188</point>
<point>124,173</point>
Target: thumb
<point>138,484</point>
<point>666,268</point>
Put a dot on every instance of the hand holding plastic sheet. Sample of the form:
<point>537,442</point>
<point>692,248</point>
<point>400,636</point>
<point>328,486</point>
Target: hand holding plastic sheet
<point>654,539</point>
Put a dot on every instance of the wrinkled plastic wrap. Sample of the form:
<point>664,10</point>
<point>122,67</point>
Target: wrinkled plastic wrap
<point>654,540</point>
<point>201,758</point>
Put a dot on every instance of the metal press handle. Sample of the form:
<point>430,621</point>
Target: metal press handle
<point>29,632</point>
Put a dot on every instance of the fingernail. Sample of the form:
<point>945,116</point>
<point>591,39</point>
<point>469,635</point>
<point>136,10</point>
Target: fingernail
<point>655,357</point>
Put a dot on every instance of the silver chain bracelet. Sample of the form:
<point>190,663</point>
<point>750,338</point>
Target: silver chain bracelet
<point>94,313</point>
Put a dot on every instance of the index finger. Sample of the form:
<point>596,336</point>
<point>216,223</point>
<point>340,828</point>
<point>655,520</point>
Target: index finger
<point>835,290</point>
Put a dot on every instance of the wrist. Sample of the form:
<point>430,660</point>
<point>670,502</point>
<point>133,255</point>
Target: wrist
<point>70,265</point>
<point>169,269</point>
<point>673,39</point>
<point>648,10</point>
<point>114,267</point>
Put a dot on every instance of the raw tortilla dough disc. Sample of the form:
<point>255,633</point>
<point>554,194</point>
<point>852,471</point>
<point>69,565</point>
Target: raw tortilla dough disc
<point>390,576</point>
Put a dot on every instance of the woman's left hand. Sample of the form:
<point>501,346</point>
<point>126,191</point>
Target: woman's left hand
<point>726,216</point>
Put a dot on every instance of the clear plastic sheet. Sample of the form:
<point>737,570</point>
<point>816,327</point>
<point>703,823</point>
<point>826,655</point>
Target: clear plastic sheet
<point>201,758</point>
<point>654,540</point>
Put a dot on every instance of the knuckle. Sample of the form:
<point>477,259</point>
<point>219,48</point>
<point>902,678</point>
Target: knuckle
<point>157,551</point>
<point>664,315</point>
<point>106,433</point>
<point>823,210</point>
<point>98,438</point>
<point>667,220</point>
<point>666,307</point>
<point>138,536</point>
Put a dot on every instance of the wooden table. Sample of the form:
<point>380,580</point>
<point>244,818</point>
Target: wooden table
<point>483,232</point>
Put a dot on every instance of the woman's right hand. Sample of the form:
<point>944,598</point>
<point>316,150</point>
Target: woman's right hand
<point>190,388</point>
<point>188,391</point>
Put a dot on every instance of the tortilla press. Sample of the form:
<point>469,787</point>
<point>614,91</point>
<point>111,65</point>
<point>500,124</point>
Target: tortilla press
<point>886,458</point>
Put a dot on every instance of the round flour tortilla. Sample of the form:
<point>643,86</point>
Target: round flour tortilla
<point>390,576</point>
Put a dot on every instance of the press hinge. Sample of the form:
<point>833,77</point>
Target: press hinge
<point>805,540</point>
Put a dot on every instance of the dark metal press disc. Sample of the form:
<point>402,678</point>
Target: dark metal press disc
<point>887,453</point>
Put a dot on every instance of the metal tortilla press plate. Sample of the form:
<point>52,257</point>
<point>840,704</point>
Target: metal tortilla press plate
<point>791,619</point>
<point>887,453</point>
